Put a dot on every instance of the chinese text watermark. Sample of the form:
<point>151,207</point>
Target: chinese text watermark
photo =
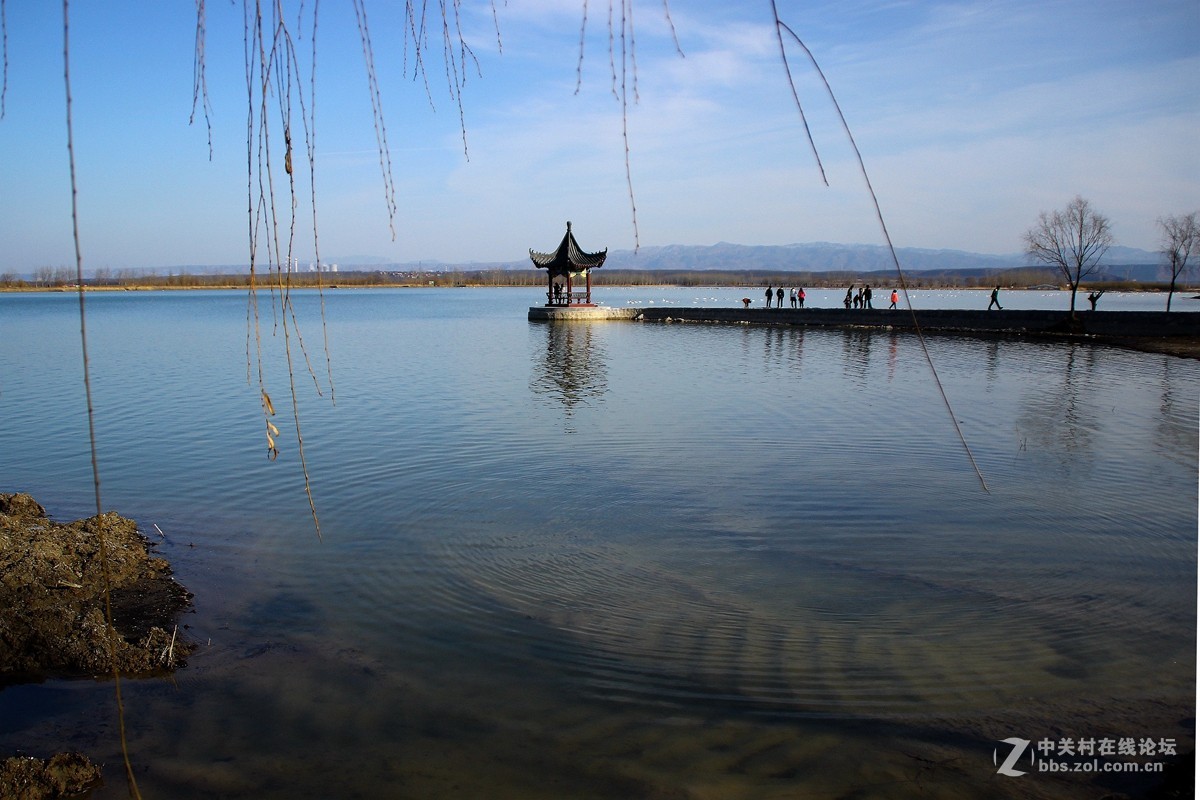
<point>1016,756</point>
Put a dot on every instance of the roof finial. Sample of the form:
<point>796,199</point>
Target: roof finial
<point>568,224</point>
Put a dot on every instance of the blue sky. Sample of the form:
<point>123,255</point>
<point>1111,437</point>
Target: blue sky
<point>971,116</point>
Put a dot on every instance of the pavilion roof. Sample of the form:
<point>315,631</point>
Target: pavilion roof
<point>568,257</point>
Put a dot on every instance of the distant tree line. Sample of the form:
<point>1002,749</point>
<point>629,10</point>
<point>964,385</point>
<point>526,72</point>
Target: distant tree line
<point>1015,278</point>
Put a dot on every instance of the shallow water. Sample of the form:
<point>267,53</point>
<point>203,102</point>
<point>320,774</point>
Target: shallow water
<point>616,559</point>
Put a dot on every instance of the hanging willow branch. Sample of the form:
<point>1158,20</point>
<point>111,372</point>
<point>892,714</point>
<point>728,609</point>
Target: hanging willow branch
<point>276,98</point>
<point>272,85</point>
<point>623,73</point>
<point>102,539</point>
<point>385,157</point>
<point>3,57</point>
<point>199,83</point>
<point>622,63</point>
<point>781,28</point>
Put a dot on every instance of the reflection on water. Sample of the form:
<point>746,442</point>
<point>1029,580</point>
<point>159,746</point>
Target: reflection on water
<point>758,566</point>
<point>571,368</point>
<point>1057,417</point>
<point>1176,413</point>
<point>856,355</point>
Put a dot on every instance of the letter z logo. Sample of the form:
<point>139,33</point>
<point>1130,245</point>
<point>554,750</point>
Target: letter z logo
<point>1019,746</point>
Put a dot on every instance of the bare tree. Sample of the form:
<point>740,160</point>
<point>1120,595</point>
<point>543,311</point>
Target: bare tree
<point>1180,239</point>
<point>1072,240</point>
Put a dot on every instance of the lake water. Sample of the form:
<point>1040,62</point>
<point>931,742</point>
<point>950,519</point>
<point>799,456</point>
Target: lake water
<point>619,559</point>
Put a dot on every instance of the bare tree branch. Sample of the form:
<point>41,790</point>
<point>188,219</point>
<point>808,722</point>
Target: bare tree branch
<point>1180,240</point>
<point>1072,241</point>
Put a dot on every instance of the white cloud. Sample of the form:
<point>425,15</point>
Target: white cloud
<point>971,116</point>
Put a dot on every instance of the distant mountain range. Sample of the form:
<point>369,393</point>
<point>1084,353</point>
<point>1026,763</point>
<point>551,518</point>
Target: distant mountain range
<point>1125,263</point>
<point>811,257</point>
<point>1120,263</point>
<point>830,257</point>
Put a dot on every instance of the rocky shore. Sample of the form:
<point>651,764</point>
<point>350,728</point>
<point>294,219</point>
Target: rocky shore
<point>52,619</point>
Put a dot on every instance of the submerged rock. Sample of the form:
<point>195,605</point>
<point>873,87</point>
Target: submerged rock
<point>52,579</point>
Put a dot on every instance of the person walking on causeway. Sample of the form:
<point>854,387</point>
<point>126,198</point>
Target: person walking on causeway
<point>995,300</point>
<point>895,298</point>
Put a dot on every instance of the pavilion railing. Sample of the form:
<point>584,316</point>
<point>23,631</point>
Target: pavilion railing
<point>567,298</point>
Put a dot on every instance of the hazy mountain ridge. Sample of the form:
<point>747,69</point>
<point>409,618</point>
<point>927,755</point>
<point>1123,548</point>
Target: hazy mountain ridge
<point>801,257</point>
<point>809,257</point>
<point>1121,263</point>
<point>827,257</point>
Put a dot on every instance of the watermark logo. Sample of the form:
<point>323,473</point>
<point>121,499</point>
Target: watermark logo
<point>1082,754</point>
<point>1019,746</point>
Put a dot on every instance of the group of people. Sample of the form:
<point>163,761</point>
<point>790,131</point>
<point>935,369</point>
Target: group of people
<point>862,298</point>
<point>854,299</point>
<point>797,296</point>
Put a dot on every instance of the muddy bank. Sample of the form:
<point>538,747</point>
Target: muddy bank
<point>52,598</point>
<point>63,775</point>
<point>52,621</point>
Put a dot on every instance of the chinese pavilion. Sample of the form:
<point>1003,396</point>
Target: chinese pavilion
<point>564,268</point>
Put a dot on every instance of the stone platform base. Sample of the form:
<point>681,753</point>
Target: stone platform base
<point>1176,333</point>
<point>580,313</point>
